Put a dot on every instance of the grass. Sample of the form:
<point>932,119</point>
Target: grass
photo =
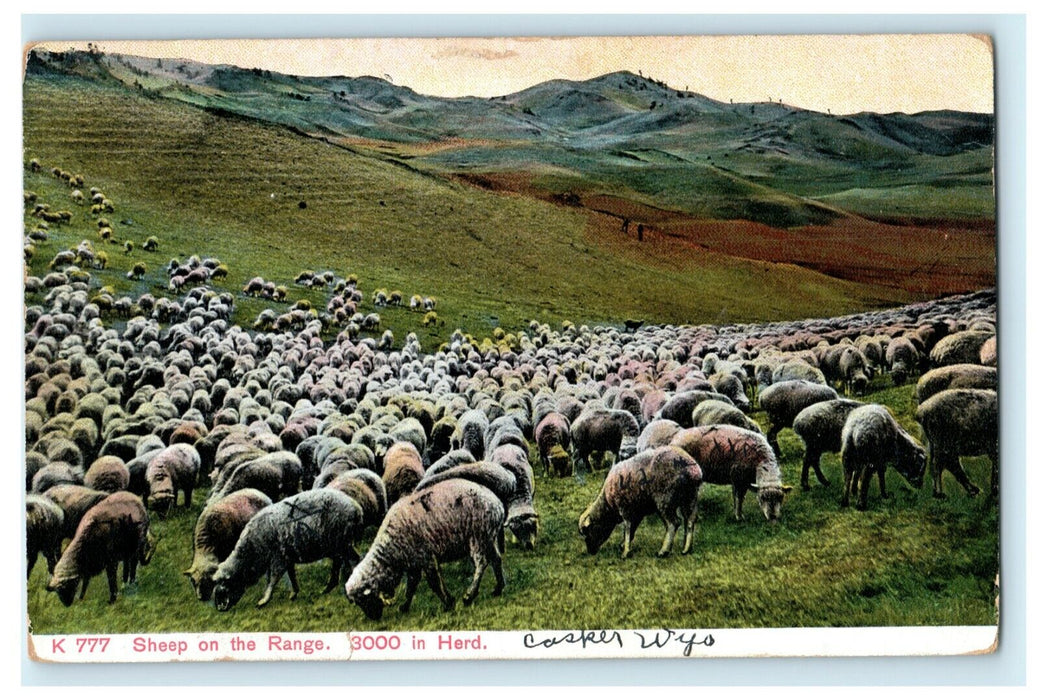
<point>232,188</point>
<point>906,561</point>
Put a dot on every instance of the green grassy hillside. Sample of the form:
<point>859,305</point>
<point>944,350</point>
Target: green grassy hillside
<point>270,202</point>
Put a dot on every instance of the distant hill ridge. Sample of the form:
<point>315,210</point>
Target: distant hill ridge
<point>613,108</point>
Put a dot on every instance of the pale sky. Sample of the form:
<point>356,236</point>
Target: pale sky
<point>845,74</point>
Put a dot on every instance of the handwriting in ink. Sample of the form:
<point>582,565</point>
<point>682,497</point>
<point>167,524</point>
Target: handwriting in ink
<point>666,636</point>
<point>582,637</point>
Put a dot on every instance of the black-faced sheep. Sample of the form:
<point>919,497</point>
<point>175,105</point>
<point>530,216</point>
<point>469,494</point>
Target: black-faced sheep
<point>665,481</point>
<point>113,531</point>
<point>870,440</point>
<point>307,527</point>
<point>44,531</point>
<point>445,522</point>
<point>819,426</point>
<point>729,455</point>
<point>960,376</point>
<point>784,400</point>
<point>956,423</point>
<point>216,533</point>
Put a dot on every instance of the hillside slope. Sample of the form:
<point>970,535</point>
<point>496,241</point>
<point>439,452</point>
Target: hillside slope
<point>271,202</point>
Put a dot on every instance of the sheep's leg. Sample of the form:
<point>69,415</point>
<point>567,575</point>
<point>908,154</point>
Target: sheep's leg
<point>864,487</point>
<point>480,563</point>
<point>83,590</point>
<point>771,437</point>
<point>738,501</point>
<point>955,468</point>
<point>496,566</point>
<point>187,497</point>
<point>291,570</point>
<point>630,533</point>
<point>807,461</point>
<point>274,574</point>
<point>111,570</point>
<point>411,585</point>
<point>669,537</point>
<point>337,564</point>
<point>881,481</point>
<point>850,481</point>
<point>33,555</point>
<point>689,526</point>
<point>937,472</point>
<point>433,577</point>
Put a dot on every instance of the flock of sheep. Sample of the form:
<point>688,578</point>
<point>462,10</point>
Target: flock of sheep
<point>306,445</point>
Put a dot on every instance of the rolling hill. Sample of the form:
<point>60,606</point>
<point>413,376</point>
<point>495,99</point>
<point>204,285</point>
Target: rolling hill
<point>524,197</point>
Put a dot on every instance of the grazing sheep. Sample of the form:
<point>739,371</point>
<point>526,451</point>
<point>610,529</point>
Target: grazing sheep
<point>172,469</point>
<point>853,369</point>
<point>216,533</point>
<point>819,426</point>
<point>988,352</point>
<point>137,271</point>
<point>521,518</point>
<point>960,376</point>
<point>44,530</point>
<point>956,423</point>
<point>108,473</point>
<point>113,531</point>
<point>680,407</point>
<point>784,400</point>
<point>445,522</point>
<point>665,481</point>
<point>713,412</point>
<point>402,470</point>
<point>367,488</point>
<point>151,244</point>
<point>870,440</point>
<point>732,387</point>
<point>602,431</point>
<point>959,348</point>
<point>56,473</point>
<point>312,525</point>
<point>657,433</point>
<point>470,433</point>
<point>741,458</point>
<point>553,437</point>
<point>74,501</point>
<point>902,359</point>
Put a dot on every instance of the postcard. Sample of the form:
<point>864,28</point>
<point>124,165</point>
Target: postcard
<point>513,348</point>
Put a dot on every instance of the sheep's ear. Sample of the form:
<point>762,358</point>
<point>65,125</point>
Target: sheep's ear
<point>753,487</point>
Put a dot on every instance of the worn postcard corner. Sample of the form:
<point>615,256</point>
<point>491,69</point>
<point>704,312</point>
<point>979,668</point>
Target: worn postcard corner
<point>512,348</point>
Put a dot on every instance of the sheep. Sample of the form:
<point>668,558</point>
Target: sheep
<point>402,470</point>
<point>713,412</point>
<point>870,439</point>
<point>819,426</point>
<point>600,431</point>
<point>853,369</point>
<point>741,458</point>
<point>74,500</point>
<point>521,518</point>
<point>216,533</point>
<point>732,387</point>
<point>445,522</point>
<point>665,480</point>
<point>783,400</point>
<point>312,525</point>
<point>553,437</point>
<point>680,407</point>
<point>172,469</point>
<point>137,271</point>
<point>902,359</point>
<point>56,473</point>
<point>44,530</point>
<point>956,423</point>
<point>959,376</point>
<point>988,352</point>
<point>959,348</point>
<point>367,488</point>
<point>151,244</point>
<point>108,473</point>
<point>113,531</point>
<point>470,433</point>
<point>657,433</point>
